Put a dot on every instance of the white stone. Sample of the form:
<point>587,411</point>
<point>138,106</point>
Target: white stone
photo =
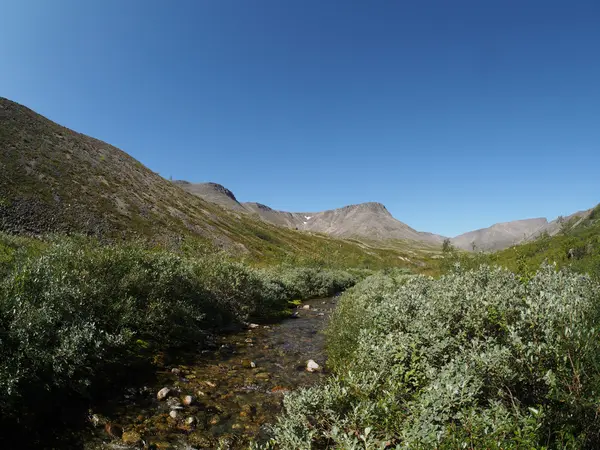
<point>163,393</point>
<point>312,366</point>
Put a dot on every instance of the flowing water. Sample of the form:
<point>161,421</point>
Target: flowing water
<point>235,389</point>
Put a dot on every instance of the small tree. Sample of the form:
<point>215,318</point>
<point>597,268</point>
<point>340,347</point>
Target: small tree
<point>447,246</point>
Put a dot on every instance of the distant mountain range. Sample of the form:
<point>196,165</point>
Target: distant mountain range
<point>373,221</point>
<point>53,179</point>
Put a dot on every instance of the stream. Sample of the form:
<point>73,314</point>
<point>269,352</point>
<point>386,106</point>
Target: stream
<point>221,398</point>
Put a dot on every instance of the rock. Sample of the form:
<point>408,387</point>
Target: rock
<point>176,370</point>
<point>173,414</point>
<point>249,340</point>
<point>210,384</point>
<point>174,403</point>
<point>237,426</point>
<point>252,326</point>
<point>163,393</point>
<point>248,364</point>
<point>266,327</point>
<point>306,307</point>
<point>200,394</point>
<point>214,420</point>
<point>114,430</point>
<point>295,315</point>
<point>97,420</point>
<point>131,437</point>
<point>190,421</point>
<point>188,400</point>
<point>312,366</point>
<point>321,314</point>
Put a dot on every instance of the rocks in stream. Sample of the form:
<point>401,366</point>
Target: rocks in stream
<point>246,363</point>
<point>163,393</point>
<point>312,366</point>
<point>190,421</point>
<point>131,437</point>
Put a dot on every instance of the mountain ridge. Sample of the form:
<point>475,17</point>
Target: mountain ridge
<point>367,220</point>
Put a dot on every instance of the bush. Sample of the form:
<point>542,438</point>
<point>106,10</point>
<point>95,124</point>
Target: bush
<point>479,359</point>
<point>81,313</point>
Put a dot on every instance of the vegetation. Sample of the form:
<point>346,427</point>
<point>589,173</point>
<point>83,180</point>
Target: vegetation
<point>477,359</point>
<point>575,246</point>
<point>74,314</point>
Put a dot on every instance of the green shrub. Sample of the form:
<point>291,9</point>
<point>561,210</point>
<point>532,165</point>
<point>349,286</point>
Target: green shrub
<point>479,359</point>
<point>77,313</point>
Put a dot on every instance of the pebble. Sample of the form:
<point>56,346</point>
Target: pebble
<point>306,307</point>
<point>173,414</point>
<point>210,384</point>
<point>188,400</point>
<point>131,437</point>
<point>163,393</point>
<point>190,421</point>
<point>253,326</point>
<point>312,366</point>
<point>176,370</point>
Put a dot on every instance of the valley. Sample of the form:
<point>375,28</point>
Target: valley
<point>117,284</point>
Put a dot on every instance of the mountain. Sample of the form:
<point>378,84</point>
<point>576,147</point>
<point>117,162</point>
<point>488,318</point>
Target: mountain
<point>214,193</point>
<point>365,220</point>
<point>500,235</point>
<point>55,180</point>
<point>554,227</point>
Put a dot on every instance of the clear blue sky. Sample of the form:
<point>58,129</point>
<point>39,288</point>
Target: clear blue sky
<point>454,114</point>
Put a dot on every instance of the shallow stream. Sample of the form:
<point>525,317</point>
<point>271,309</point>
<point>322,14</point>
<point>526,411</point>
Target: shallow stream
<point>235,389</point>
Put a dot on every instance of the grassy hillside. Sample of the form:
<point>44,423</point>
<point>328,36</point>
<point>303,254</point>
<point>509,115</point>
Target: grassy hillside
<point>55,180</point>
<point>576,246</point>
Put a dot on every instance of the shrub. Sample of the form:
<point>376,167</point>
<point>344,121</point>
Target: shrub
<point>479,359</point>
<point>81,313</point>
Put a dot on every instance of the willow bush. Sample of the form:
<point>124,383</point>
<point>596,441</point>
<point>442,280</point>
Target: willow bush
<point>477,359</point>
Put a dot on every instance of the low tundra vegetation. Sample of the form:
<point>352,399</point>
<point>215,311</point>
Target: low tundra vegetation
<point>474,359</point>
<point>75,315</point>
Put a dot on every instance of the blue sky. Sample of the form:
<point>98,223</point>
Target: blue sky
<point>455,115</point>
